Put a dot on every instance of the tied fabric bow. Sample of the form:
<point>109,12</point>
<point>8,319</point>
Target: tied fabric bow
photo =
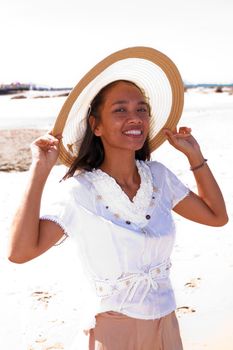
<point>135,283</point>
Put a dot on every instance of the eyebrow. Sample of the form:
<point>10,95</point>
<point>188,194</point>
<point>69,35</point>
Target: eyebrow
<point>125,102</point>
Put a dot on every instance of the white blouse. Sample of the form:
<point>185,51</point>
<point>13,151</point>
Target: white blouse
<point>124,246</point>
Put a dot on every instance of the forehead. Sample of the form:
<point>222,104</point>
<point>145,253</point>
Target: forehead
<point>122,88</point>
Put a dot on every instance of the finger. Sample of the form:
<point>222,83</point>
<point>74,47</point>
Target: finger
<point>57,135</point>
<point>182,136</point>
<point>168,132</point>
<point>184,130</point>
<point>45,142</point>
<point>174,137</point>
<point>170,135</point>
<point>50,138</point>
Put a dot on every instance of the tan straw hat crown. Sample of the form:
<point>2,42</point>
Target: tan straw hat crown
<point>148,68</point>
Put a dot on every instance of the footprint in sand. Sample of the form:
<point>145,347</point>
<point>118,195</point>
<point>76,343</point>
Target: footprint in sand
<point>193,283</point>
<point>56,346</point>
<point>42,297</point>
<point>185,310</point>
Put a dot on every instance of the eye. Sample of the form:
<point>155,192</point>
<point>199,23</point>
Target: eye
<point>119,110</point>
<point>143,109</point>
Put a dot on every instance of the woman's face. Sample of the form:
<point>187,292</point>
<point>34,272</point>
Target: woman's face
<point>124,118</point>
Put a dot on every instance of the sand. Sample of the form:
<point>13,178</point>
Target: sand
<point>39,300</point>
<point>15,152</point>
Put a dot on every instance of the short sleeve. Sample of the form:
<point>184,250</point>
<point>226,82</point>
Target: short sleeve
<point>59,205</point>
<point>171,189</point>
<point>174,188</point>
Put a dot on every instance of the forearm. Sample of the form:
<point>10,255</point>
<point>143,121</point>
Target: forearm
<point>24,233</point>
<point>208,206</point>
<point>207,187</point>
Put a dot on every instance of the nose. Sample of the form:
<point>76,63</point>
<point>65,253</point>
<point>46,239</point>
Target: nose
<point>134,118</point>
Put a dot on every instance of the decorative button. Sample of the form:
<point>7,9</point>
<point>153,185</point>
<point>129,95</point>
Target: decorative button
<point>128,222</point>
<point>148,217</point>
<point>153,197</point>
<point>106,207</point>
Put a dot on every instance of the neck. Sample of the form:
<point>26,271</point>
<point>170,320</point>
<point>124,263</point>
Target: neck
<point>122,169</point>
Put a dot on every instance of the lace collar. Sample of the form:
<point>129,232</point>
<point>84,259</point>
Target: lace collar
<point>117,201</point>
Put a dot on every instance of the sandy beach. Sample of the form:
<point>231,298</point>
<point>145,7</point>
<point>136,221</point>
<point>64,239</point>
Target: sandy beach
<point>39,300</point>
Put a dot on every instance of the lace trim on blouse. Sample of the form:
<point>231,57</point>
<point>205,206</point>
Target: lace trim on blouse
<point>117,201</point>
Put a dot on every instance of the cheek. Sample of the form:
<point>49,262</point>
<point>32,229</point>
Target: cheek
<point>111,126</point>
<point>147,125</point>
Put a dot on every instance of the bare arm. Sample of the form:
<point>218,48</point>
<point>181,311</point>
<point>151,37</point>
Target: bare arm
<point>207,207</point>
<point>30,237</point>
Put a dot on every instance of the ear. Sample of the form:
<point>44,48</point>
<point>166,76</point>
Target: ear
<point>95,127</point>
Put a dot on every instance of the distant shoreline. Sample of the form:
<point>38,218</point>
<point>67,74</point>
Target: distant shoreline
<point>14,88</point>
<point>18,88</point>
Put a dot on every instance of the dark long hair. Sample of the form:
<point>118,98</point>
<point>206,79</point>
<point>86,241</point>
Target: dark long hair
<point>91,152</point>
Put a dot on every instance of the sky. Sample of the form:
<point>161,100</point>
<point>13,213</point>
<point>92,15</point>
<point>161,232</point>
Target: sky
<point>55,42</point>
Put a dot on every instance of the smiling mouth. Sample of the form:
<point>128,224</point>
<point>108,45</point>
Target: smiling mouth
<point>133,132</point>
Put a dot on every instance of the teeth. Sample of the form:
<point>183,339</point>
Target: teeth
<point>133,132</point>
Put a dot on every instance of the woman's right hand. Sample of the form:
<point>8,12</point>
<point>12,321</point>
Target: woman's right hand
<point>30,237</point>
<point>45,150</point>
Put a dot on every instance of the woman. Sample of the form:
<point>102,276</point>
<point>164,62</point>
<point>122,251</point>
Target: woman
<point>115,203</point>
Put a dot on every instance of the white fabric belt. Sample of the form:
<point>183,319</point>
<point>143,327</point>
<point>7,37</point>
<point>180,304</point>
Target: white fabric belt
<point>105,288</point>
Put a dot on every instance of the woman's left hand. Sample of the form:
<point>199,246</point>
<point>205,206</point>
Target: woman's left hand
<point>183,140</point>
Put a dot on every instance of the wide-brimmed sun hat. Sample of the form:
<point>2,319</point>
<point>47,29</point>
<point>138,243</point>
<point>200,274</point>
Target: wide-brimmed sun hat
<point>149,69</point>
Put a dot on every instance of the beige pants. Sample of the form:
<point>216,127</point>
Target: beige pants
<point>115,331</point>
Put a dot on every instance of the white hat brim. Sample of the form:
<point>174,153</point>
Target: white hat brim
<point>149,69</point>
